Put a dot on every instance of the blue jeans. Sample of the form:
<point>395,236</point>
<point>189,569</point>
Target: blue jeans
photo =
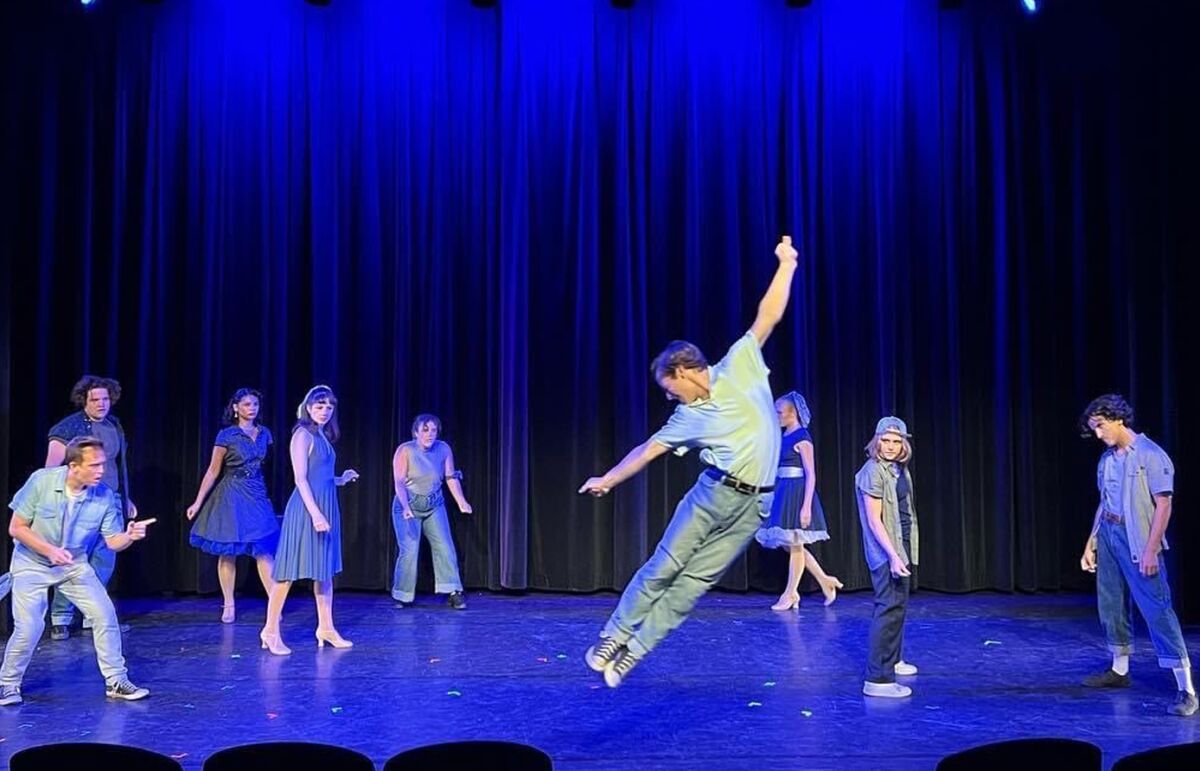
<point>1117,581</point>
<point>79,584</point>
<point>435,525</point>
<point>104,563</point>
<point>710,528</point>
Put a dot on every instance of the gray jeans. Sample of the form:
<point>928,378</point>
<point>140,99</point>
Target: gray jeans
<point>79,584</point>
<point>711,526</point>
<point>435,524</point>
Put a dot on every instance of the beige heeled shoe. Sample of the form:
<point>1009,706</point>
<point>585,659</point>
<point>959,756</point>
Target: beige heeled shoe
<point>228,614</point>
<point>274,644</point>
<point>332,637</point>
<point>831,590</point>
<point>787,602</point>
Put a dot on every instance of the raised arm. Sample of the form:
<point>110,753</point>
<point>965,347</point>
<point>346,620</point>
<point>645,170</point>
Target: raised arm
<point>210,479</point>
<point>637,459</point>
<point>454,484</point>
<point>774,302</point>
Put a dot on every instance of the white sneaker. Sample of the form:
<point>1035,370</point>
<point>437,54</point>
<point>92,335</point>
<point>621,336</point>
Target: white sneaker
<point>886,690</point>
<point>904,668</point>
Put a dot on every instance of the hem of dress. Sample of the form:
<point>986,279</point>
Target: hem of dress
<point>778,538</point>
<point>224,549</point>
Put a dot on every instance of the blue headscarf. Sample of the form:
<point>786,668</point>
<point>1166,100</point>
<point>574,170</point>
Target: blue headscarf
<point>802,412</point>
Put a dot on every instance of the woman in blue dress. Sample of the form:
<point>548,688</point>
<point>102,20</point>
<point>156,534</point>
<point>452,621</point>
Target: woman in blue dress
<point>797,518</point>
<point>310,540</point>
<point>237,518</point>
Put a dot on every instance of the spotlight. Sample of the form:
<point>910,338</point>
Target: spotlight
<point>87,2</point>
<point>1030,5</point>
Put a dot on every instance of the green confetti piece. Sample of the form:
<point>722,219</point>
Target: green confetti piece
<point>227,687</point>
<point>769,684</point>
<point>806,712</point>
<point>236,656</point>
<point>454,693</point>
<point>754,704</point>
<point>561,656</point>
<point>335,710</point>
<point>991,642</point>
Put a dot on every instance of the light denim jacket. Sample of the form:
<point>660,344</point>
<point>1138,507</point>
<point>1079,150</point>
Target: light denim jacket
<point>1148,472</point>
<point>878,480</point>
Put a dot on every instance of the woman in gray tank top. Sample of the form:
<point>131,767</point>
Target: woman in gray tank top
<point>419,468</point>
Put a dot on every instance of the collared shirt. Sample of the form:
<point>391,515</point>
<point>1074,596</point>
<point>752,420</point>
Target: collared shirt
<point>879,479</point>
<point>1147,471</point>
<point>43,503</point>
<point>736,427</point>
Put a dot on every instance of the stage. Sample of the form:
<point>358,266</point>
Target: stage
<point>737,687</point>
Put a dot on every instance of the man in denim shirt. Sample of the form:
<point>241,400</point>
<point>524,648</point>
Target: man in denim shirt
<point>95,396</point>
<point>1136,480</point>
<point>726,411</point>
<point>58,515</point>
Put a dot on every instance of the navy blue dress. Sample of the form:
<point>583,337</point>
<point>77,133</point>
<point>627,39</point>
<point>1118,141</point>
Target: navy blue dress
<point>782,529</point>
<point>238,518</point>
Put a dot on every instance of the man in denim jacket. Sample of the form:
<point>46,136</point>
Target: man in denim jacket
<point>1136,479</point>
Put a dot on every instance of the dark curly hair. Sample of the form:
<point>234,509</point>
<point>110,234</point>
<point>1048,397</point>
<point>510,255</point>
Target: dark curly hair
<point>229,417</point>
<point>87,383</point>
<point>1109,407</point>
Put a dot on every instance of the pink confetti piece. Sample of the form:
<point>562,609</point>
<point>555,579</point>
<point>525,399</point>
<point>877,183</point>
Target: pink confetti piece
<point>543,660</point>
<point>593,687</point>
<point>272,715</point>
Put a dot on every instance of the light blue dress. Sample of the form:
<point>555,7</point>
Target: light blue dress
<point>303,552</point>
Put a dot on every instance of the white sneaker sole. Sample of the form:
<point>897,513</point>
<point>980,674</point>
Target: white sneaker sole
<point>886,690</point>
<point>137,695</point>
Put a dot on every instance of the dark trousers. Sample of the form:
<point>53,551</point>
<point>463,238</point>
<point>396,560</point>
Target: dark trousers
<point>885,641</point>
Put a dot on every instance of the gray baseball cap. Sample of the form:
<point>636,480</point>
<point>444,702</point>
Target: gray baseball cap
<point>891,424</point>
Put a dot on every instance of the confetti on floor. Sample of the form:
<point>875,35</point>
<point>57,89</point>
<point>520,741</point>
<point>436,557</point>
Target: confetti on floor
<point>806,712</point>
<point>769,684</point>
<point>561,656</point>
<point>227,687</point>
<point>336,710</point>
<point>543,660</point>
<point>272,715</point>
<point>754,704</point>
<point>434,660</point>
<point>179,756</point>
<point>236,656</point>
<point>990,642</point>
<point>454,693</point>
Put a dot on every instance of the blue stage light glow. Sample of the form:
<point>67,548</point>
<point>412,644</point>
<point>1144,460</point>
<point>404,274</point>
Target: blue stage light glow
<point>1030,5</point>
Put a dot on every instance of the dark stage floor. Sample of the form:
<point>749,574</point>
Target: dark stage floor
<point>737,687</point>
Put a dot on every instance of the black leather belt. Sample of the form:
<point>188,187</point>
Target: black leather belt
<point>737,484</point>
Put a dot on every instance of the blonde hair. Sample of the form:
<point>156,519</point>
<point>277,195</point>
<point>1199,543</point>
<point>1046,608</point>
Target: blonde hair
<point>906,450</point>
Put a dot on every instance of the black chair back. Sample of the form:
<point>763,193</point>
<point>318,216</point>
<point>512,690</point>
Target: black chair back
<point>474,755</point>
<point>287,755</point>
<point>1025,753</point>
<point>90,755</point>
<point>1174,757</point>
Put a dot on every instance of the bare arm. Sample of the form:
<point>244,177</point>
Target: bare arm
<point>210,479</point>
<point>1088,561</point>
<point>399,477</point>
<point>805,449</point>
<point>298,449</point>
<point>1148,565</point>
<point>774,302</point>
<point>56,453</point>
<point>134,531</point>
<point>19,529</point>
<point>875,521</point>
<point>636,460</point>
<point>454,484</point>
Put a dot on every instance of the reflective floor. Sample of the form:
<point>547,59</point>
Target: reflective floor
<point>737,687</point>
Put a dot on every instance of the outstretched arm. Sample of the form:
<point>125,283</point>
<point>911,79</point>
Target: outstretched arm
<point>637,459</point>
<point>774,302</point>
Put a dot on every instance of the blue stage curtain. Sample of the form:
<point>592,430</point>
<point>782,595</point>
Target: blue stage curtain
<point>501,215</point>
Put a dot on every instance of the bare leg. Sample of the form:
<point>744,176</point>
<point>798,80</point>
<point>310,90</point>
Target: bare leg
<point>227,577</point>
<point>326,633</point>
<point>829,584</point>
<point>791,597</point>
<point>270,632</point>
<point>266,564</point>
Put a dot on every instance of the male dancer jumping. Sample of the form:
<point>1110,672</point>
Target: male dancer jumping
<point>728,412</point>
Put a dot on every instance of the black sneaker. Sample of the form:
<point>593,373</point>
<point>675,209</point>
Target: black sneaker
<point>1107,679</point>
<point>123,689</point>
<point>10,695</point>
<point>60,632</point>
<point>619,669</point>
<point>600,655</point>
<point>1184,706</point>
<point>457,601</point>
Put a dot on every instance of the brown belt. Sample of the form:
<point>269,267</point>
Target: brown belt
<point>1111,518</point>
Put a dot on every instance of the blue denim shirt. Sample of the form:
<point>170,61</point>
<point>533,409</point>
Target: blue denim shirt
<point>42,502</point>
<point>1148,471</point>
<point>878,479</point>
